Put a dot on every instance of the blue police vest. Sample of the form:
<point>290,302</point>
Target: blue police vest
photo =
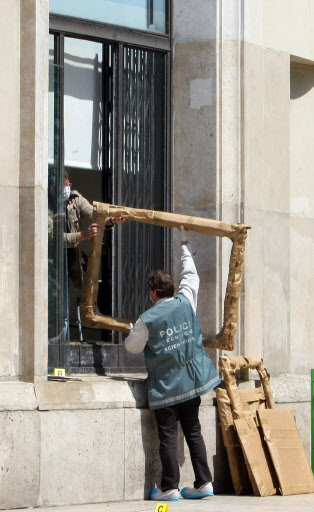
<point>178,366</point>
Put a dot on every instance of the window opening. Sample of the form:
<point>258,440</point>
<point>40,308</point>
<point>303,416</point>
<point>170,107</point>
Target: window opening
<point>108,134</point>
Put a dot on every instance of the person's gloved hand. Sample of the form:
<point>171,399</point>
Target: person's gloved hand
<point>184,233</point>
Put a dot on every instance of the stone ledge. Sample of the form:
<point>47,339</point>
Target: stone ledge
<point>93,392</point>
<point>17,396</point>
<point>97,393</point>
<point>291,389</point>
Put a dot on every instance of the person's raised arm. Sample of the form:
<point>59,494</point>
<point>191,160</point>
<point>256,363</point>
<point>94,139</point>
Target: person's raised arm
<point>189,280</point>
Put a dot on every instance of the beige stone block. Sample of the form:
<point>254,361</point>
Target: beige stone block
<point>230,165</point>
<point>276,257</point>
<point>253,121</point>
<point>253,285</point>
<point>100,393</point>
<point>10,91</point>
<point>194,20</point>
<point>195,124</point>
<point>142,462</point>
<point>253,22</point>
<point>19,456</point>
<point>33,282</point>
<point>17,396</point>
<point>291,388</point>
<point>9,278</point>
<point>34,92</point>
<point>82,457</point>
<point>277,24</point>
<point>276,131</point>
<point>301,39</point>
<point>301,140</point>
<point>230,14</point>
<point>301,295</point>
<point>287,26</point>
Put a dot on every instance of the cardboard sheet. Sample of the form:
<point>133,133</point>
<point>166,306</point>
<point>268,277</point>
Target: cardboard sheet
<point>238,469</point>
<point>261,471</point>
<point>237,233</point>
<point>244,405</point>
<point>288,456</point>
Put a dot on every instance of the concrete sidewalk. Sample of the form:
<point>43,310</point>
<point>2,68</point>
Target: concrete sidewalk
<point>219,503</point>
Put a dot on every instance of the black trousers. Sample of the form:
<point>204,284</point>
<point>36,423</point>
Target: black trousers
<point>167,421</point>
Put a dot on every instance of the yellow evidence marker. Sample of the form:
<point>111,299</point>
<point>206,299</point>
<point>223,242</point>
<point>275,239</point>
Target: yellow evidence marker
<point>162,507</point>
<point>59,372</point>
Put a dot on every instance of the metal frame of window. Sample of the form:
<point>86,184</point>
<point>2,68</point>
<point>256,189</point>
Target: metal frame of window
<point>72,27</point>
<point>91,29</point>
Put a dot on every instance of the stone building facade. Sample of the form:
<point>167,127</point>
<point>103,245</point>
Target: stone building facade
<point>242,137</point>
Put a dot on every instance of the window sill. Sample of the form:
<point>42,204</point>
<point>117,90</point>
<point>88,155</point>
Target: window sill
<point>92,392</point>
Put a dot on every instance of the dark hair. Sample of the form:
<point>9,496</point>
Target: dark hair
<point>67,174</point>
<point>162,282</point>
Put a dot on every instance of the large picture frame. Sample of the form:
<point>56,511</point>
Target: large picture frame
<point>237,233</point>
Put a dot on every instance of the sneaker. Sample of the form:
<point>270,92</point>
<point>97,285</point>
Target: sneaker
<point>170,495</point>
<point>190,493</point>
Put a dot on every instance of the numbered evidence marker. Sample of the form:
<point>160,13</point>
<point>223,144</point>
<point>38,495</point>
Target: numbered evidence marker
<point>59,372</point>
<point>162,507</point>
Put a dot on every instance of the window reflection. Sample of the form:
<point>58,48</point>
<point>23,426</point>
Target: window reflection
<point>139,14</point>
<point>83,105</point>
<point>57,258</point>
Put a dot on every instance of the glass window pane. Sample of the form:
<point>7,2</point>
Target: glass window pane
<point>83,103</point>
<point>57,265</point>
<point>140,14</point>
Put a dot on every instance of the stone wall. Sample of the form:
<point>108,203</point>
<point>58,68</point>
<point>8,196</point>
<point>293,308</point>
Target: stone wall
<point>89,442</point>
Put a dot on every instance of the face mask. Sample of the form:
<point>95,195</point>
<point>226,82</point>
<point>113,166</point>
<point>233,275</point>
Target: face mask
<point>67,192</point>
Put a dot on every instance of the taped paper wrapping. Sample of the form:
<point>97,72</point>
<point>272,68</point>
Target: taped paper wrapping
<point>237,233</point>
<point>229,365</point>
<point>247,454</point>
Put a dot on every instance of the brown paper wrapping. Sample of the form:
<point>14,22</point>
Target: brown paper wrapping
<point>247,454</point>
<point>229,365</point>
<point>237,233</point>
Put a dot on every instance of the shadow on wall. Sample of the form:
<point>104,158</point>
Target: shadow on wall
<point>301,79</point>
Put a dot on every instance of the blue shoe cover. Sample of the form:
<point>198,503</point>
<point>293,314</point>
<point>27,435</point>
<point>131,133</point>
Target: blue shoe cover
<point>196,496</point>
<point>158,495</point>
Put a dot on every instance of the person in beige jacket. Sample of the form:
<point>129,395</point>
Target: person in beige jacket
<point>78,208</point>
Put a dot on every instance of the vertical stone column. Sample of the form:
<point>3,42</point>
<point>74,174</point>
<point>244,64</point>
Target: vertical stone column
<point>33,188</point>
<point>266,124</point>
<point>194,145</point>
<point>229,136</point>
<point>9,192</point>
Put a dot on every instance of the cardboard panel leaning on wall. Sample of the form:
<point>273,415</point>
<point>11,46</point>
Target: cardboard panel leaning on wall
<point>288,456</point>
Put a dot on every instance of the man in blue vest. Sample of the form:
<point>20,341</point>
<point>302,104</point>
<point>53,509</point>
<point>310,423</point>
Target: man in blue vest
<point>179,371</point>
